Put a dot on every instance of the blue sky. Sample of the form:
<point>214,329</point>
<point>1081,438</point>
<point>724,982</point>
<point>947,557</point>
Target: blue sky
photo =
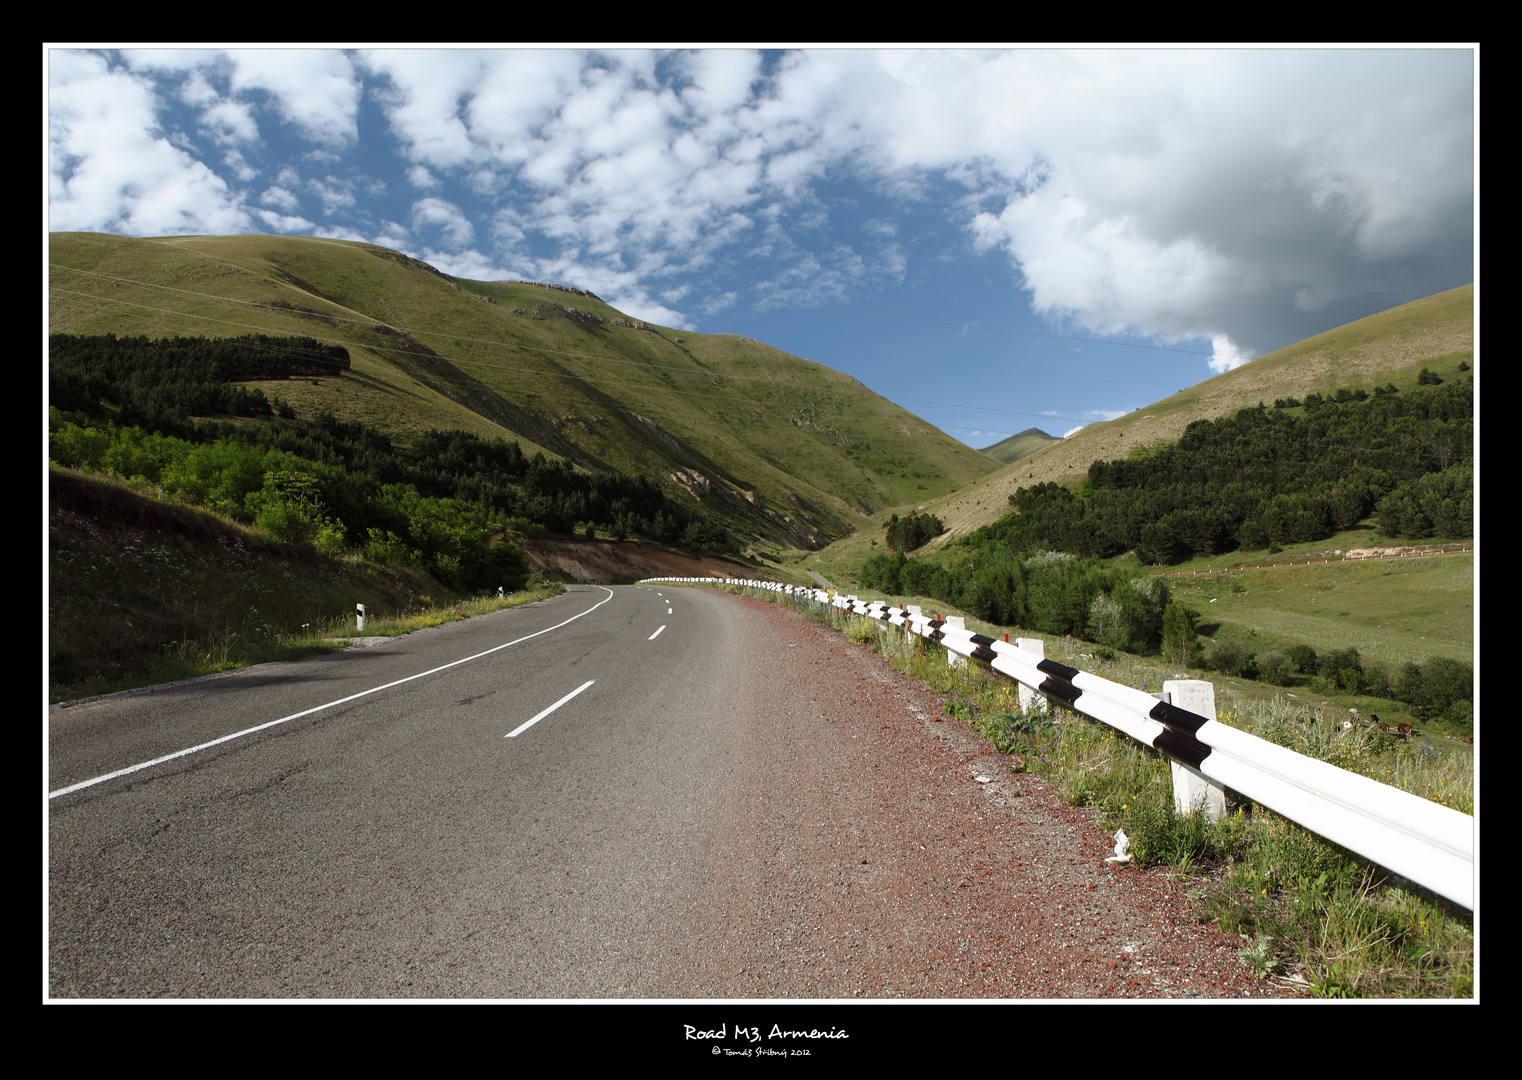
<point>993,239</point>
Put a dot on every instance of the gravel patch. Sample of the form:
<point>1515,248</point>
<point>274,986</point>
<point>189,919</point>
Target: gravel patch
<point>860,857</point>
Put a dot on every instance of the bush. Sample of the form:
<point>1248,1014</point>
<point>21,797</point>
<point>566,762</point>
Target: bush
<point>1229,658</point>
<point>1160,834</point>
<point>1342,668</point>
<point>1303,657</point>
<point>1438,689</point>
<point>1277,669</point>
<point>1180,638</point>
<point>913,531</point>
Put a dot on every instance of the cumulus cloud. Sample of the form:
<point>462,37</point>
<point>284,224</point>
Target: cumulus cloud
<point>284,223</point>
<point>238,166</point>
<point>280,198</point>
<point>1225,355</point>
<point>230,122</point>
<point>1226,194</point>
<point>336,193</point>
<point>328,232</point>
<point>444,216</point>
<point>470,264</point>
<point>1246,198</point>
<point>315,90</point>
<point>111,166</point>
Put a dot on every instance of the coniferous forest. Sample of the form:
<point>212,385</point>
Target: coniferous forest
<point>1268,476</point>
<point>1296,472</point>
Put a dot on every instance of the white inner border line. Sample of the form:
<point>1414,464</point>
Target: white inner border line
<point>530,723</point>
<point>308,712</point>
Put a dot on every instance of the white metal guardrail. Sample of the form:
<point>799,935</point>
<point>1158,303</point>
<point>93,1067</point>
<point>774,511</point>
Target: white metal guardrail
<point>1429,844</point>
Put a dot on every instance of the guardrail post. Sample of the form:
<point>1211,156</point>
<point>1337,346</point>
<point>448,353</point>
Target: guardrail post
<point>1190,787</point>
<point>1029,699</point>
<point>954,659</point>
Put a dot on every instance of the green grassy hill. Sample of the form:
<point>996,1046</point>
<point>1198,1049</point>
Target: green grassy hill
<point>1020,446</point>
<point>778,447</point>
<point>1391,347</point>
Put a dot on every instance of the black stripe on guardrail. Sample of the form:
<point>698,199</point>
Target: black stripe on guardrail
<point>1060,689</point>
<point>981,648</point>
<point>1062,671</point>
<point>1184,749</point>
<point>1180,720</point>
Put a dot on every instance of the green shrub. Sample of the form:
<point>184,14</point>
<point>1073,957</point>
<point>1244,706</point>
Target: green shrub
<point>1303,657</point>
<point>1230,658</point>
<point>1277,669</point>
<point>1180,638</point>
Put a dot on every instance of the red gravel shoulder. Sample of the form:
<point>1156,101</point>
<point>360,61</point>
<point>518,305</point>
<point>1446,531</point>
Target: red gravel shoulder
<point>861,858</point>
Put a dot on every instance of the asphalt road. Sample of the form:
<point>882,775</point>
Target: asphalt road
<point>389,838</point>
<point>618,793</point>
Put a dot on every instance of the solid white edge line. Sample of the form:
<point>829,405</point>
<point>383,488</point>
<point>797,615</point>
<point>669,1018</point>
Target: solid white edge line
<point>655,635</point>
<point>319,708</point>
<point>530,723</point>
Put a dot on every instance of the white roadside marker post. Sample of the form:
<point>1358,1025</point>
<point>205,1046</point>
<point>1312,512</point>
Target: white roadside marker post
<point>1190,787</point>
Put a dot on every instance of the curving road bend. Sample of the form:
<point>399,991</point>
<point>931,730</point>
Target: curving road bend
<point>627,792</point>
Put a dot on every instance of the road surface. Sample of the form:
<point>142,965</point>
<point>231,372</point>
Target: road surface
<point>627,792</point>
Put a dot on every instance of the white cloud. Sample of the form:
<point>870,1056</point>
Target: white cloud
<point>335,193</point>
<point>445,216</point>
<point>283,223</point>
<point>470,264</point>
<point>230,122</point>
<point>329,232</point>
<point>111,168</point>
<point>1176,186</point>
<point>393,235</point>
<point>426,87</point>
<point>314,89</point>
<point>279,198</point>
<point>1225,355</point>
<point>1238,197</point>
<point>238,166</point>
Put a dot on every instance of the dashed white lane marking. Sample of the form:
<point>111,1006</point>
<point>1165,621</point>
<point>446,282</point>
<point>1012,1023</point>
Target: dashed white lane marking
<point>319,708</point>
<point>530,723</point>
<point>655,635</point>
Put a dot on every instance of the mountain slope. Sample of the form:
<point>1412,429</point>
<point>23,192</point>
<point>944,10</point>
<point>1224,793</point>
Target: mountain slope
<point>1023,445</point>
<point>1436,332</point>
<point>1390,347</point>
<point>776,446</point>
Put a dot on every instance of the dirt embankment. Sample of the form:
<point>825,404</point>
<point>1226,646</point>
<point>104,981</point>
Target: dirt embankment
<point>622,560</point>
